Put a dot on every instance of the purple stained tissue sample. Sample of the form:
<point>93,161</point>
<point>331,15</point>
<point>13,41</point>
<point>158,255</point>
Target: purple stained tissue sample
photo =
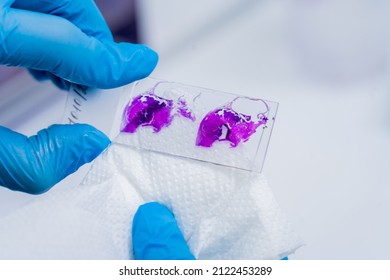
<point>149,109</point>
<point>225,124</point>
<point>184,110</point>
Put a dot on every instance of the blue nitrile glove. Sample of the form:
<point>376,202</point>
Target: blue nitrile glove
<point>68,41</point>
<point>156,235</point>
<point>34,164</point>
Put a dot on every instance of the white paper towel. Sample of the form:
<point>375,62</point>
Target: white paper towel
<point>224,213</point>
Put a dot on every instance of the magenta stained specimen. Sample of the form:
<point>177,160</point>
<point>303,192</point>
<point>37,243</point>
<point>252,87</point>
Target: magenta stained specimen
<point>184,110</point>
<point>225,124</point>
<point>149,109</point>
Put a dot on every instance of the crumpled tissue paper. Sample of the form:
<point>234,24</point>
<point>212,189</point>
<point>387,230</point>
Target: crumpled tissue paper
<point>223,212</point>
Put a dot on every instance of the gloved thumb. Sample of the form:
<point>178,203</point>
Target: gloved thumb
<point>156,235</point>
<point>35,164</point>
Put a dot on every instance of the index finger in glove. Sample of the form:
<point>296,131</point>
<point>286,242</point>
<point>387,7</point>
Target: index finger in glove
<point>56,45</point>
<point>84,14</point>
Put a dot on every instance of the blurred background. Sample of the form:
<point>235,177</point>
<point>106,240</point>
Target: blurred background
<point>325,61</point>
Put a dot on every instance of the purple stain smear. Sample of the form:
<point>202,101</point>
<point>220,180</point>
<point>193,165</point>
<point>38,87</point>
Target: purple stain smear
<point>184,110</point>
<point>225,124</point>
<point>149,109</point>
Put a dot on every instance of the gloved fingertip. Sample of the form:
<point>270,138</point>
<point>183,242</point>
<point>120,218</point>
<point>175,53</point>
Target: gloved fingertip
<point>154,209</point>
<point>95,138</point>
<point>156,235</point>
<point>129,63</point>
<point>150,58</point>
<point>76,144</point>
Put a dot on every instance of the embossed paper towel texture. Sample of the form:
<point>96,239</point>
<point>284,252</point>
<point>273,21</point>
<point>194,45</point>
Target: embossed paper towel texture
<point>224,213</point>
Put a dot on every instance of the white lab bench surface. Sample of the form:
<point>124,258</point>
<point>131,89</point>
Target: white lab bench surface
<point>328,162</point>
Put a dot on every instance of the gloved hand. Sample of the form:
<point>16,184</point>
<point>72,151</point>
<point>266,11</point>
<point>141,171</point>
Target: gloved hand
<point>156,235</point>
<point>68,41</point>
<point>34,164</point>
